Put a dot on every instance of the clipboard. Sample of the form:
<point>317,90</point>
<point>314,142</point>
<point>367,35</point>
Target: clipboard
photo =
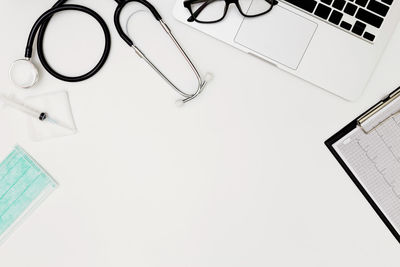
<point>368,126</point>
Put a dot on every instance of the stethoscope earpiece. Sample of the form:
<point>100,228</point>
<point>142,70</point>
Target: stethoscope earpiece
<point>23,73</point>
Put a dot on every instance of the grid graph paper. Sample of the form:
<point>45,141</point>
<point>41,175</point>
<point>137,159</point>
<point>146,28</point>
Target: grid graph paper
<point>374,159</point>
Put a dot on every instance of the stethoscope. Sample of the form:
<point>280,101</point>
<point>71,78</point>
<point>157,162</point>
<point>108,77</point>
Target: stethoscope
<point>25,74</point>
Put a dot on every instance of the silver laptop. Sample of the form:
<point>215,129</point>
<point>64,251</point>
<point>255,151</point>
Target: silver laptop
<point>334,44</point>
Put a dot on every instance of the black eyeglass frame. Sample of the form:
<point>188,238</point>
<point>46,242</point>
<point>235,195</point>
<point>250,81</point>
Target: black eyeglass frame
<point>194,15</point>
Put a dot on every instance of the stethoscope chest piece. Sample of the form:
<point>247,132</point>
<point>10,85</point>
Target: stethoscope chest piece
<point>24,73</point>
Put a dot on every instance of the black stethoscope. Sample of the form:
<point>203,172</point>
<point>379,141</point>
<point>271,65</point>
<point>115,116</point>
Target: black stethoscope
<point>25,74</point>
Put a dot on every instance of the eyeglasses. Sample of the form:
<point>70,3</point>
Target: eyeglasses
<point>212,11</point>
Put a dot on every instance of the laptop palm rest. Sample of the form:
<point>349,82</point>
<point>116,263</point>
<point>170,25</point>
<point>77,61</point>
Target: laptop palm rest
<point>281,36</point>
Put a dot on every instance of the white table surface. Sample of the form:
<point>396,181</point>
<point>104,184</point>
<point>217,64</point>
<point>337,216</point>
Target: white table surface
<point>239,177</point>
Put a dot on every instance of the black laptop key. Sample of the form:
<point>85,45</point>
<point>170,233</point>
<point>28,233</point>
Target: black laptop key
<point>345,25</point>
<point>307,5</point>
<point>378,8</point>
<point>369,18</point>
<point>328,2</point>
<point>369,36</point>
<point>389,2</point>
<point>339,4</point>
<point>350,9</point>
<point>362,3</point>
<point>323,11</point>
<point>335,17</point>
<point>359,28</point>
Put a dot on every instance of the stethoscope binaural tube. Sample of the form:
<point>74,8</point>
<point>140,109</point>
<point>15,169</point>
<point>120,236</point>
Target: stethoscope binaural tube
<point>201,83</point>
<point>41,25</point>
<point>117,15</point>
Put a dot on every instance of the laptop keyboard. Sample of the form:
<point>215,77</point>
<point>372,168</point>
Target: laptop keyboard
<point>362,18</point>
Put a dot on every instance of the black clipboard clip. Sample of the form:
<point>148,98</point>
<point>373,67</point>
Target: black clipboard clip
<point>376,109</point>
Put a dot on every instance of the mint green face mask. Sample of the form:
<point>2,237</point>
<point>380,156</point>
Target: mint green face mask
<point>23,183</point>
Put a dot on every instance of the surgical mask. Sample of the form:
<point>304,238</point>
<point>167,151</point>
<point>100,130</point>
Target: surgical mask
<point>23,184</point>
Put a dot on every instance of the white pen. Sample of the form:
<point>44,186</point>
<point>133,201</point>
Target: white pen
<point>22,107</point>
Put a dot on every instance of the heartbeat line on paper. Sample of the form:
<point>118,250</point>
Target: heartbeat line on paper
<point>384,154</point>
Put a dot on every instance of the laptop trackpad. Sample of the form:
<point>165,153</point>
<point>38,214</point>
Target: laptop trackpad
<point>281,35</point>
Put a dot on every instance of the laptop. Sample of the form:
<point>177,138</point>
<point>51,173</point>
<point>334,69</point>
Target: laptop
<point>333,44</point>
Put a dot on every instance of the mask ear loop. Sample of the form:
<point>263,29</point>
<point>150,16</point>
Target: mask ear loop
<point>201,82</point>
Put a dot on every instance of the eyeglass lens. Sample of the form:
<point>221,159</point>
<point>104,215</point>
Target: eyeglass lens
<point>214,10</point>
<point>209,11</point>
<point>254,7</point>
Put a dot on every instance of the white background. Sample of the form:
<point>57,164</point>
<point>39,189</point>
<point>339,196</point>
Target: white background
<point>238,177</point>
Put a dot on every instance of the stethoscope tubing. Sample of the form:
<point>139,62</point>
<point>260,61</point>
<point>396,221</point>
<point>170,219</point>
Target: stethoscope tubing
<point>41,25</point>
<point>117,15</point>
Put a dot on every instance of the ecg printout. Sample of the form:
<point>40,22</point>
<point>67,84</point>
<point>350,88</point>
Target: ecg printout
<point>374,159</point>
